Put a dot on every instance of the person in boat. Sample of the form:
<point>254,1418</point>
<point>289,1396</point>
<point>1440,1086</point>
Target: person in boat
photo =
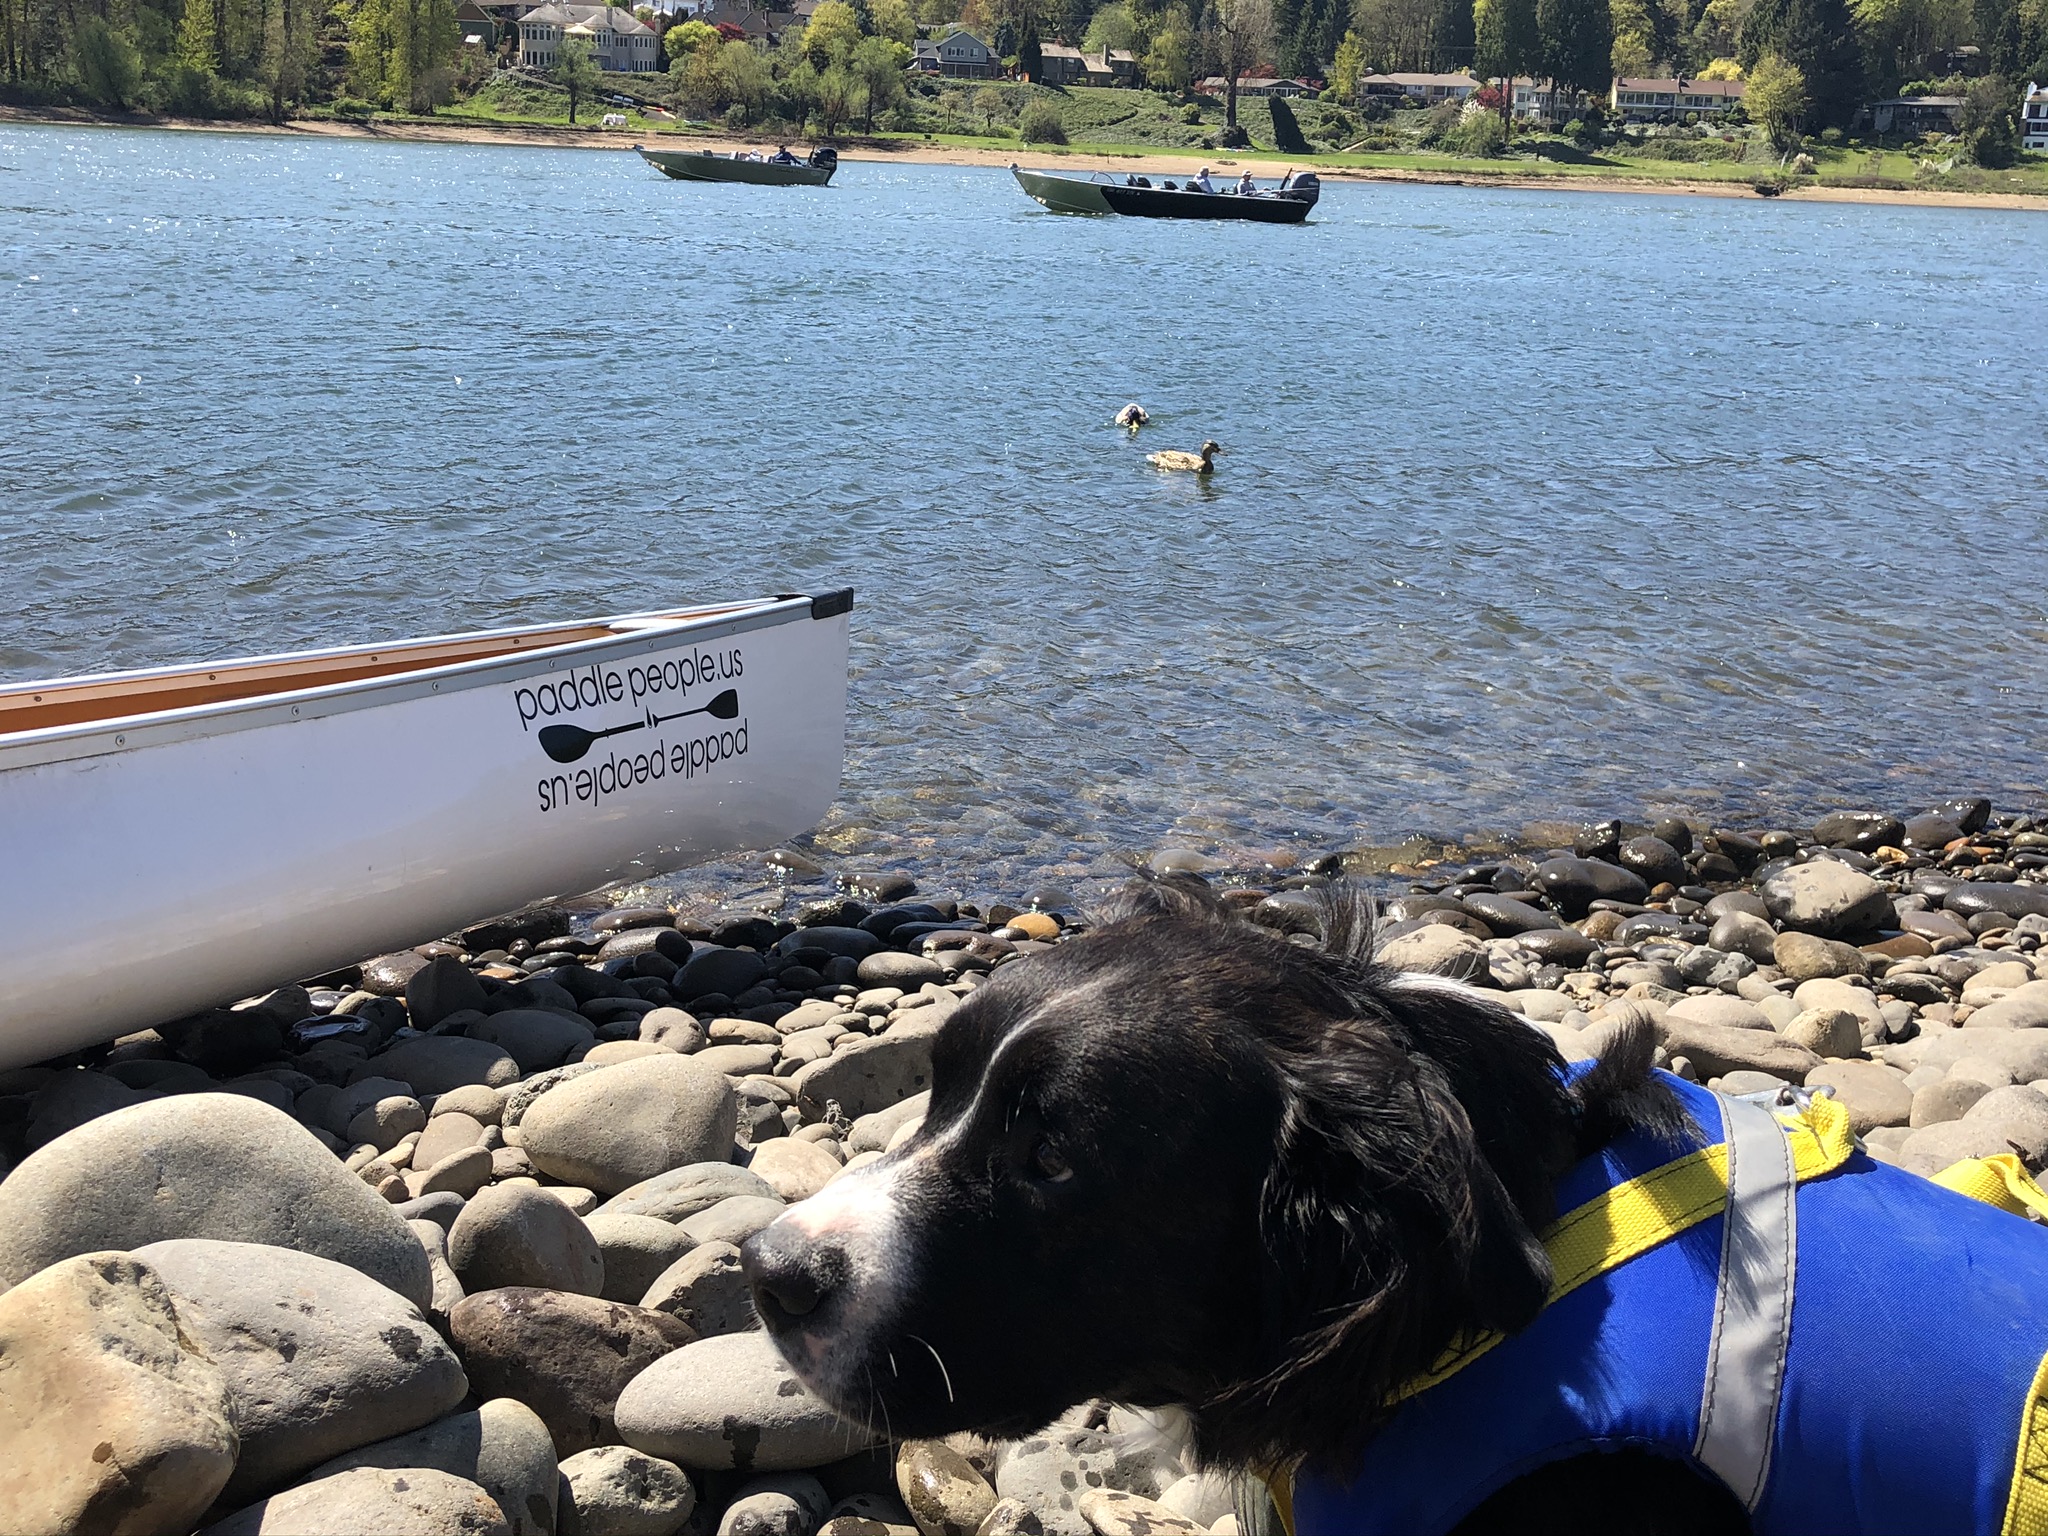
<point>782,156</point>
<point>1202,183</point>
<point>1246,187</point>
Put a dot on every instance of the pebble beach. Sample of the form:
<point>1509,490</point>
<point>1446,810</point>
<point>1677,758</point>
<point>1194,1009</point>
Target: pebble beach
<point>447,1241</point>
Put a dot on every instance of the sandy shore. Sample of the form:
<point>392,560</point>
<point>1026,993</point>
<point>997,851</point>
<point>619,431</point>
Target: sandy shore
<point>1155,162</point>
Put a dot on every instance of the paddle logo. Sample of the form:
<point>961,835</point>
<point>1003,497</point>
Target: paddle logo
<point>596,767</point>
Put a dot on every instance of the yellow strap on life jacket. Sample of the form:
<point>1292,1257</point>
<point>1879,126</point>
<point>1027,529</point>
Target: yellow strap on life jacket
<point>2001,1180</point>
<point>2026,1502</point>
<point>1639,1214</point>
<point>1630,1219</point>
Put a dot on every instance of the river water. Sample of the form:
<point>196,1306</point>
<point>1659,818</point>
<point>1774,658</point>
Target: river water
<point>1531,504</point>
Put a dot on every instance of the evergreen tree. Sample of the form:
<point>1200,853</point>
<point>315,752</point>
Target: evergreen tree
<point>1818,38</point>
<point>1507,44</point>
<point>199,36</point>
<point>1452,35</point>
<point>1578,43</point>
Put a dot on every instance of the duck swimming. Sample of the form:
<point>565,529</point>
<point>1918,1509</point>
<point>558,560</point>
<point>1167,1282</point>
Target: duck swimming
<point>1133,416</point>
<point>1173,458</point>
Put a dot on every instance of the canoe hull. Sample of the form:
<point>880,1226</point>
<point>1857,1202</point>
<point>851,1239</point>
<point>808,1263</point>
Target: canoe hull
<point>173,862</point>
<point>698,165</point>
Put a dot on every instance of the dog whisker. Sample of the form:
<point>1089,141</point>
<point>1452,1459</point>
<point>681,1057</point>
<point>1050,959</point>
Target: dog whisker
<point>946,1374</point>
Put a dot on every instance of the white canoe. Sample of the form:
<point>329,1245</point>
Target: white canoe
<point>177,838</point>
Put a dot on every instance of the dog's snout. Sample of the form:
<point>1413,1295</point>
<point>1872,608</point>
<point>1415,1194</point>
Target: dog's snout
<point>790,1271</point>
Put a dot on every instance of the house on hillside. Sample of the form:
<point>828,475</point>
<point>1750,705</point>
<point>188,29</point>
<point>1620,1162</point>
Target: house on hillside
<point>1537,100</point>
<point>2034,117</point>
<point>1060,65</point>
<point>1666,101</point>
<point>1115,66</point>
<point>619,41</point>
<point>1915,114</point>
<point>1427,89</point>
<point>958,56</point>
<point>1255,85</point>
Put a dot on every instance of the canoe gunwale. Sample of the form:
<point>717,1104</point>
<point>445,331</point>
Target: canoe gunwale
<point>128,733</point>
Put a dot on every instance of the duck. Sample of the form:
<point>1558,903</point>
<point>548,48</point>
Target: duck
<point>1173,458</point>
<point>1133,416</point>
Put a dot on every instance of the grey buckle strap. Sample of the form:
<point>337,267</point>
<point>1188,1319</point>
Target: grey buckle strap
<point>1752,1303</point>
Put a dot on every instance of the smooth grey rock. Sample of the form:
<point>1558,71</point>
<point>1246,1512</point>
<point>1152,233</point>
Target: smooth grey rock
<point>1726,1012</point>
<point>484,1105</point>
<point>112,1418</point>
<point>74,1098</point>
<point>873,1133</point>
<point>1875,1096</point>
<point>626,1123</point>
<point>1049,1471</point>
<point>893,968</point>
<point>706,1288</point>
<point>732,1403</point>
<point>732,1221</point>
<point>446,1135</point>
<point>217,1165</point>
<point>1930,1150</point>
<point>436,1064</point>
<point>1716,1050</point>
<point>566,1357</point>
<point>519,1235</point>
<point>636,1250</point>
<point>1827,898</point>
<point>672,1029</point>
<point>1827,1032</point>
<point>1745,934</point>
<point>868,1074</point>
<point>319,1358</point>
<point>1807,956</point>
<point>502,1447</point>
<point>373,1501</point>
<point>2019,1117</point>
<point>737,1058</point>
<point>941,1488</point>
<point>447,1287</point>
<point>728,972</point>
<point>1939,1103</point>
<point>442,986</point>
<point>2025,1007</point>
<point>1436,948</point>
<point>614,1490</point>
<point>797,1169</point>
<point>536,1038</point>
<point>682,1192</point>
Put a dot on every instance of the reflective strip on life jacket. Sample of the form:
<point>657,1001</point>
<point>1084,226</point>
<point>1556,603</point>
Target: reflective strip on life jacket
<point>1752,1332</point>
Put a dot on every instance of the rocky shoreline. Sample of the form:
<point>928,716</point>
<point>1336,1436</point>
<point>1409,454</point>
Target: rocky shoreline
<point>448,1241</point>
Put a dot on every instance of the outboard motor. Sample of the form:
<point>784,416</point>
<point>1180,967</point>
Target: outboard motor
<point>1306,184</point>
<point>825,157</point>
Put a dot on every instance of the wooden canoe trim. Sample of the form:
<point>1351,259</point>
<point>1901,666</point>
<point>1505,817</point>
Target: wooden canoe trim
<point>40,706</point>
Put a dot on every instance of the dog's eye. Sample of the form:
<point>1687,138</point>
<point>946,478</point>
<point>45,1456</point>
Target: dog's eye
<point>1048,1165</point>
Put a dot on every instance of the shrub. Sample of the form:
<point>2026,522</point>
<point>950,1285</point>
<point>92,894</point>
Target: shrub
<point>1039,123</point>
<point>109,67</point>
<point>1440,124</point>
<point>1831,136</point>
<point>1286,130</point>
<point>1233,137</point>
<point>1479,133</point>
<point>183,91</point>
<point>1191,114</point>
<point>735,116</point>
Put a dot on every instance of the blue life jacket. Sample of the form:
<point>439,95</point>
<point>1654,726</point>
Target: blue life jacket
<point>1884,1372</point>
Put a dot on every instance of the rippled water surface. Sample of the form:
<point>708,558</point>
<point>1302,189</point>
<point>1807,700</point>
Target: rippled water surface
<point>1531,505</point>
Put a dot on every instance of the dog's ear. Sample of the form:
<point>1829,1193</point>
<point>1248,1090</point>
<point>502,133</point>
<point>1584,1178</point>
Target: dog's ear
<point>1386,1231</point>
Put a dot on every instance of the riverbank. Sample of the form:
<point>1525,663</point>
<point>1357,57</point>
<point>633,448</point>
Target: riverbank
<point>501,1176</point>
<point>1669,178</point>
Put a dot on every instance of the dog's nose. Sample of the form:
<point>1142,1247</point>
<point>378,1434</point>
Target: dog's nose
<point>789,1271</point>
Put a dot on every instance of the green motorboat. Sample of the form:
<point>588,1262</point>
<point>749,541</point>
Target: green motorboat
<point>703,165</point>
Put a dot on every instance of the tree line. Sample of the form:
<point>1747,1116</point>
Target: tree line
<point>229,58</point>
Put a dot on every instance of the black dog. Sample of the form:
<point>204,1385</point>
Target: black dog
<point>1183,1161</point>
